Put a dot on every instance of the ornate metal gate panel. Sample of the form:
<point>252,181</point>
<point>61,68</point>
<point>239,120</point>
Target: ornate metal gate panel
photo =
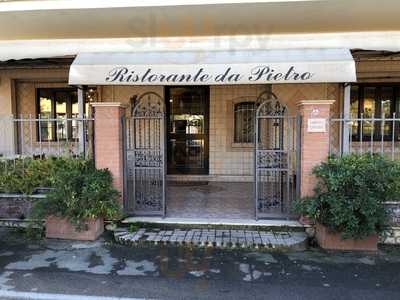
<point>276,159</point>
<point>145,157</point>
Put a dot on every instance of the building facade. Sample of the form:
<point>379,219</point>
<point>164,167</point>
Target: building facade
<point>200,114</point>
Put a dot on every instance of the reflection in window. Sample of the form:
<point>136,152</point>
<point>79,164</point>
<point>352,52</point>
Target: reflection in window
<point>371,102</point>
<point>187,112</point>
<point>45,106</point>
<point>60,108</point>
<point>368,110</point>
<point>244,122</point>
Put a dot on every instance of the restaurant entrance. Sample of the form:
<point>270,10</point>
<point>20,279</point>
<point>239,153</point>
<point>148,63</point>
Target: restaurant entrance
<point>167,157</point>
<point>187,130</point>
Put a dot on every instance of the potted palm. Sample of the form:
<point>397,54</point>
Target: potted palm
<point>348,206</point>
<point>81,199</point>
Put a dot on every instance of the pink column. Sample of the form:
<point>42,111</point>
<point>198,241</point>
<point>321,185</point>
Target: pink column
<point>108,144</point>
<point>314,140</point>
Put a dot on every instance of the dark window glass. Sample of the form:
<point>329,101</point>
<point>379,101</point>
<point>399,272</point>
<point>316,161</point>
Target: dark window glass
<point>244,122</point>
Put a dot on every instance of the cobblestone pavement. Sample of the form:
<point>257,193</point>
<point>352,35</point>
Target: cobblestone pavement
<point>214,238</point>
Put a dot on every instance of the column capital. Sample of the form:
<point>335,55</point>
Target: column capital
<point>315,102</point>
<point>108,104</point>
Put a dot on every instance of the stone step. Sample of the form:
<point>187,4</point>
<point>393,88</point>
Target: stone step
<point>185,223</point>
<point>211,237</point>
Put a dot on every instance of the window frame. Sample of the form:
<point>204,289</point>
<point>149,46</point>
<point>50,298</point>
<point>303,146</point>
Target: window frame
<point>52,91</point>
<point>236,143</point>
<point>356,137</point>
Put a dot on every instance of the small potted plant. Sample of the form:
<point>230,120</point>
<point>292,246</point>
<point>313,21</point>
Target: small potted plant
<point>348,206</point>
<point>81,199</point>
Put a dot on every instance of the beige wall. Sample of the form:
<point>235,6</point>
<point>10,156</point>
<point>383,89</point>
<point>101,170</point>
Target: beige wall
<point>237,162</point>
<point>291,94</point>
<point>123,94</point>
<point>227,160</point>
<point>8,99</point>
<point>10,77</point>
<point>224,158</point>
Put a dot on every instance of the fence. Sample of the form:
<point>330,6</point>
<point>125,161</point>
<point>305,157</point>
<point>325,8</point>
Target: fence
<point>26,136</point>
<point>365,135</point>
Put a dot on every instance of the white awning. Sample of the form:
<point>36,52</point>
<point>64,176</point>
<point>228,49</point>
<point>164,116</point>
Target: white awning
<point>213,67</point>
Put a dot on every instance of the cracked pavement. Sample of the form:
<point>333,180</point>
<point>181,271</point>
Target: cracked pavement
<point>104,268</point>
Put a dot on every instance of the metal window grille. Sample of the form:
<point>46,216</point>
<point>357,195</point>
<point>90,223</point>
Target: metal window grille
<point>27,136</point>
<point>244,122</point>
<point>365,135</point>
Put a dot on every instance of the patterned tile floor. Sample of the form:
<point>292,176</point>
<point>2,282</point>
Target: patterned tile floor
<point>214,238</point>
<point>231,200</point>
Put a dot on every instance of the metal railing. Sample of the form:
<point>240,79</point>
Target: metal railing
<point>38,137</point>
<point>365,135</point>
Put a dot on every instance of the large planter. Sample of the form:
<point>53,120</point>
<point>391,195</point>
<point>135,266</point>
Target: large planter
<point>330,240</point>
<point>61,228</point>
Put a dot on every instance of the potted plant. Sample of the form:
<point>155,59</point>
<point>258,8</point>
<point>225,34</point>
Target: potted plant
<point>81,198</point>
<point>348,205</point>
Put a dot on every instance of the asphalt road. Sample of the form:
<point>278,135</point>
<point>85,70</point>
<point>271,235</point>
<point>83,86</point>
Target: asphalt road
<point>105,269</point>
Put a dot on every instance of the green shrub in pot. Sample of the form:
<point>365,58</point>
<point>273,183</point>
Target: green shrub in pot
<point>350,194</point>
<point>80,192</point>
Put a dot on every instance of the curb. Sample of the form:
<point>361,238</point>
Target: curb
<point>12,295</point>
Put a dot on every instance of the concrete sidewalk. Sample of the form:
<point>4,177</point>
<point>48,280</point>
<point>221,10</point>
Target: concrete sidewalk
<point>106,269</point>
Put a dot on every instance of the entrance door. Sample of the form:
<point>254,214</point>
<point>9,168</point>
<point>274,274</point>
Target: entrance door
<point>187,129</point>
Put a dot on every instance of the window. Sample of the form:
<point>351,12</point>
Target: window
<point>374,102</point>
<point>244,122</point>
<point>59,107</point>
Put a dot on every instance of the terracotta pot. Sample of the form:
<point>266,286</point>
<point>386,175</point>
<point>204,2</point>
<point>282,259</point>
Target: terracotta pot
<point>61,228</point>
<point>330,240</point>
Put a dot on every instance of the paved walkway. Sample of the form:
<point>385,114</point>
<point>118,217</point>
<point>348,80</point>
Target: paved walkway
<point>229,200</point>
<point>215,238</point>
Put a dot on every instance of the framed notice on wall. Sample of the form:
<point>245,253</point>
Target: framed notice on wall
<point>316,125</point>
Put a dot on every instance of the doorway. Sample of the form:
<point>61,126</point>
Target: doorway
<point>180,123</point>
<point>187,130</point>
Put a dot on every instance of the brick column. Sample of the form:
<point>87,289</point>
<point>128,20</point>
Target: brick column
<point>108,144</point>
<point>314,140</point>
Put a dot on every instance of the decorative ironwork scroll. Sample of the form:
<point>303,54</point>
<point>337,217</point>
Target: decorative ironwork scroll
<point>146,156</point>
<point>275,157</point>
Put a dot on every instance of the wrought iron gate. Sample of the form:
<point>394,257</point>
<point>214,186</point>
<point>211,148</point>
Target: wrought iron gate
<point>276,159</point>
<point>145,157</point>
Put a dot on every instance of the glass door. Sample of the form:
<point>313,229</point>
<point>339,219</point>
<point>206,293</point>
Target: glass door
<point>187,129</point>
